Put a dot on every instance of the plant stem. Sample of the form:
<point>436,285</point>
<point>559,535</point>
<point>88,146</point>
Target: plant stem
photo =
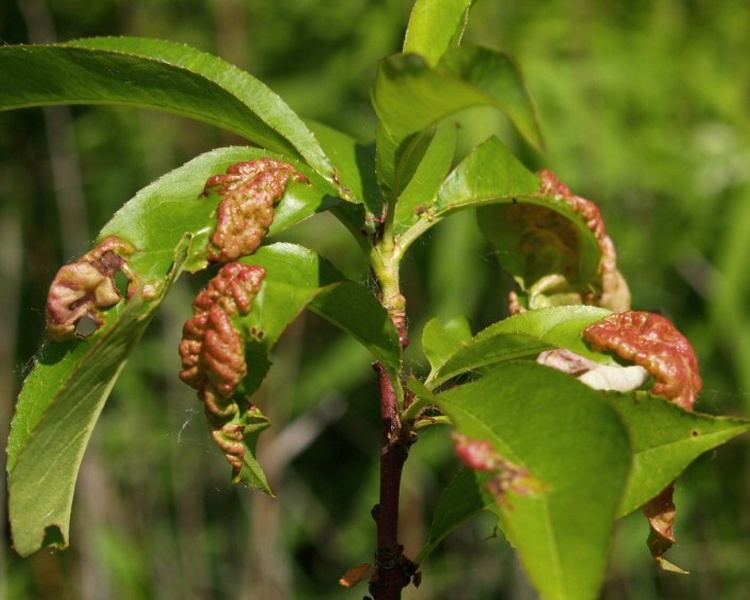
<point>393,570</point>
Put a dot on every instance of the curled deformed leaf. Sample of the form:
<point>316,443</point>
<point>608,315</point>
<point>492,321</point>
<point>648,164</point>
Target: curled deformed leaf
<point>596,375</point>
<point>82,288</point>
<point>556,246</point>
<point>249,192</point>
<point>652,341</point>
<point>213,353</point>
<point>614,293</point>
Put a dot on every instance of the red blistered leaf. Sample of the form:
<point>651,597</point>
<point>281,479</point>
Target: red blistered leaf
<point>615,294</point>
<point>213,352</point>
<point>81,289</point>
<point>652,341</point>
<point>250,191</point>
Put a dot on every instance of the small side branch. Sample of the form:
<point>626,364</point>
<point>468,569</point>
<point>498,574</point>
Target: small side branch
<point>393,570</point>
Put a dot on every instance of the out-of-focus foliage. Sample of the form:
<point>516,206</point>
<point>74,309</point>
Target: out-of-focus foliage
<point>644,108</point>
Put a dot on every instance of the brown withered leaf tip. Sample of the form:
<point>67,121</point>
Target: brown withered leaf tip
<point>653,342</point>
<point>81,289</point>
<point>250,191</point>
<point>213,350</point>
<point>615,294</point>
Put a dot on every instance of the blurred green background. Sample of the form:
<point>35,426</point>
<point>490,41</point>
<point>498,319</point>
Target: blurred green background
<point>645,109</point>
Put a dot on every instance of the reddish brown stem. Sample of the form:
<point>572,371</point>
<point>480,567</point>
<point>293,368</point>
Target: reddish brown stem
<point>393,570</point>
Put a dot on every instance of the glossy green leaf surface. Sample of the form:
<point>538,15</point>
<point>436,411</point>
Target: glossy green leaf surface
<point>575,445</point>
<point>463,498</point>
<point>665,439</point>
<point>524,335</point>
<point>434,26</point>
<point>410,97</point>
<point>297,278</point>
<point>57,409</point>
<point>427,178</point>
<point>162,76</point>
<point>169,225</point>
<point>490,174</point>
<point>440,340</point>
<point>157,217</point>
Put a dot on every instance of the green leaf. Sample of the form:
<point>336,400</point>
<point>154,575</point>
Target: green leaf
<point>434,26</point>
<point>355,168</point>
<point>298,278</point>
<point>577,448</point>
<point>427,178</point>
<point>665,439</point>
<point>159,75</point>
<point>255,422</point>
<point>62,397</point>
<point>524,335</point>
<point>355,310</point>
<point>489,175</point>
<point>410,97</point>
<point>497,76</point>
<point>441,340</point>
<point>57,409</point>
<point>461,500</point>
<point>157,217</point>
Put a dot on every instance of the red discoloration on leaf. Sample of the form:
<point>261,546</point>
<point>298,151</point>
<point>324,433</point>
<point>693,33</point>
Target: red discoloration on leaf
<point>233,289</point>
<point>84,287</point>
<point>477,454</point>
<point>229,438</point>
<point>652,341</point>
<point>250,191</point>
<point>222,355</point>
<point>615,294</point>
<point>480,455</point>
<point>213,351</point>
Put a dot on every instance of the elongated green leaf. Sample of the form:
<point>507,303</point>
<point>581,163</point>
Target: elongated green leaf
<point>157,217</point>
<point>434,26</point>
<point>354,309</point>
<point>462,499</point>
<point>665,439</point>
<point>523,335</point>
<point>355,171</point>
<point>490,174</point>
<point>162,76</point>
<point>441,340</point>
<point>575,445</point>
<point>410,97</point>
<point>497,76</point>
<point>298,278</point>
<point>427,178</point>
<point>57,410</point>
<point>70,383</point>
